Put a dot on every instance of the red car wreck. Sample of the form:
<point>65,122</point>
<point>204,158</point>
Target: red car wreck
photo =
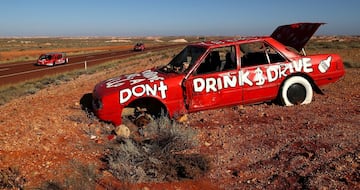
<point>214,74</point>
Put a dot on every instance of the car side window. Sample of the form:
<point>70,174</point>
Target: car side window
<point>259,53</point>
<point>274,56</point>
<point>217,60</point>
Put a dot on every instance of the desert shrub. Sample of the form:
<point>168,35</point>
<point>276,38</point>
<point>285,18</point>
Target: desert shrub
<point>81,177</point>
<point>160,157</point>
<point>333,45</point>
<point>7,94</point>
<point>11,178</point>
<point>349,64</point>
<point>46,81</point>
<point>51,185</point>
<point>64,77</point>
<point>32,90</point>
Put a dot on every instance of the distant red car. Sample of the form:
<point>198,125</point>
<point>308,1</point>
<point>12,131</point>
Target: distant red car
<point>139,47</point>
<point>52,59</point>
<point>214,74</point>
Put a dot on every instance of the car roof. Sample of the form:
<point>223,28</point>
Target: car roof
<point>216,43</point>
<point>53,53</point>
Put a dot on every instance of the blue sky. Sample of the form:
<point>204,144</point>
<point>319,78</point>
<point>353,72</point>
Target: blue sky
<point>173,17</point>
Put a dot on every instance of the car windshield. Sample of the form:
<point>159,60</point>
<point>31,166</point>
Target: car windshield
<point>45,56</point>
<point>42,57</point>
<point>184,61</point>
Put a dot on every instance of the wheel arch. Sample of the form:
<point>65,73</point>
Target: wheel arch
<point>152,104</point>
<point>307,77</point>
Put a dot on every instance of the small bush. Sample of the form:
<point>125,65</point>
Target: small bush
<point>32,90</point>
<point>160,158</point>
<point>10,178</point>
<point>82,177</point>
<point>50,185</point>
<point>351,64</point>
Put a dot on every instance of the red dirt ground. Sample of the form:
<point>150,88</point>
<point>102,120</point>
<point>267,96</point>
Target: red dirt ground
<point>263,146</point>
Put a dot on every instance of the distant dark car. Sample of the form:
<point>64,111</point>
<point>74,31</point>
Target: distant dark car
<point>52,59</point>
<point>139,47</point>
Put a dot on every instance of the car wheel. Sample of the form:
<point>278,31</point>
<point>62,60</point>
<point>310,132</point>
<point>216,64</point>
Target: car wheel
<point>296,90</point>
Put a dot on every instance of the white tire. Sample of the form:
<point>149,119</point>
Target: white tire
<point>296,90</point>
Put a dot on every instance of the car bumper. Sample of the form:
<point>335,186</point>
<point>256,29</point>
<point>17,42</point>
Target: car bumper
<point>44,64</point>
<point>108,115</point>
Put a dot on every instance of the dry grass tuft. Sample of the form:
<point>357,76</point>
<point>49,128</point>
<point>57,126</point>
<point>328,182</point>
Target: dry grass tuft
<point>160,158</point>
<point>10,178</point>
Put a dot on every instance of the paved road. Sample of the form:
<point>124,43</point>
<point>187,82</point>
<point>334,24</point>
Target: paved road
<point>12,73</point>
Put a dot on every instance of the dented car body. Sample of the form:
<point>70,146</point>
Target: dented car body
<point>213,74</point>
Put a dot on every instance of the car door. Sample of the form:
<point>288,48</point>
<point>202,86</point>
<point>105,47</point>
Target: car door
<point>261,64</point>
<point>60,59</point>
<point>215,81</point>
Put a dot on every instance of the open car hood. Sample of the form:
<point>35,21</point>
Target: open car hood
<point>295,35</point>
